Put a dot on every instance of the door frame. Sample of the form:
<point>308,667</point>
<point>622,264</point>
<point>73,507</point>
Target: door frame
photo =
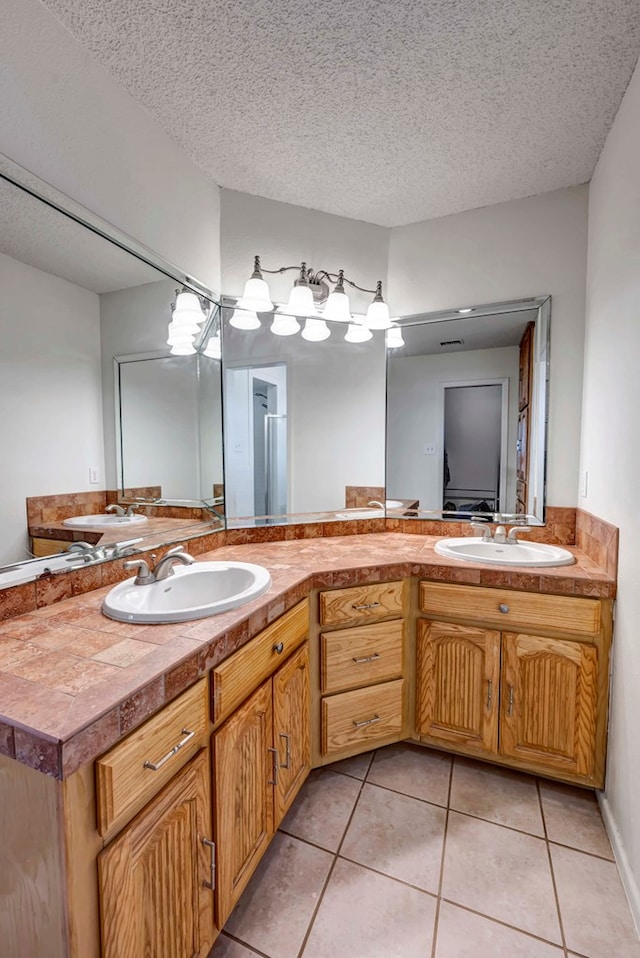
<point>504,430</point>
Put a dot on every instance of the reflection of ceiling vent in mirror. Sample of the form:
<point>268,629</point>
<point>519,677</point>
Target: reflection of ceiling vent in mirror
<point>453,342</point>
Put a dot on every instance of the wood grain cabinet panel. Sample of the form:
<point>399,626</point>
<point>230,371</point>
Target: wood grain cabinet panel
<point>549,701</point>
<point>362,717</point>
<point>153,899</point>
<point>361,603</point>
<point>291,729</point>
<point>361,656</point>
<point>458,685</point>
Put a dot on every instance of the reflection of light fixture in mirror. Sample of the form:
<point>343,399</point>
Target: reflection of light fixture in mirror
<point>463,311</point>
<point>378,312</point>
<point>337,306</point>
<point>180,335</point>
<point>315,330</point>
<point>358,333</point>
<point>183,349</point>
<point>214,347</point>
<point>284,325</point>
<point>256,296</point>
<point>244,319</point>
<point>187,310</point>
<point>394,337</point>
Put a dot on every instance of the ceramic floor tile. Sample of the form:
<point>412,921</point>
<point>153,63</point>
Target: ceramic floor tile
<point>413,770</point>
<point>572,817</point>
<point>365,915</point>
<point>357,766</point>
<point>461,934</point>
<point>397,835</point>
<point>497,795</point>
<point>500,873</point>
<point>276,907</point>
<point>595,913</point>
<point>227,948</point>
<point>321,811</point>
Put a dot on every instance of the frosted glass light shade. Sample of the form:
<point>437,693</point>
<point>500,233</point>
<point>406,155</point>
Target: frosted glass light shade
<point>315,330</point>
<point>337,308</point>
<point>214,347</point>
<point>244,319</point>
<point>378,315</point>
<point>187,310</point>
<point>256,297</point>
<point>284,325</point>
<point>181,334</point>
<point>183,350</point>
<point>394,338</point>
<point>300,302</point>
<point>357,333</point>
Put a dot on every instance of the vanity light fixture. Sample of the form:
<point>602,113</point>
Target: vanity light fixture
<point>188,313</point>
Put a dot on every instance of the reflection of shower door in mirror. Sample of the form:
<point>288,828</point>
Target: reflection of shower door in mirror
<point>475,441</point>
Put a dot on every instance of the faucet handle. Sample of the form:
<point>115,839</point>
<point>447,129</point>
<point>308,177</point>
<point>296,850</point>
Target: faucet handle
<point>115,508</point>
<point>131,510</point>
<point>144,576</point>
<point>175,551</point>
<point>515,531</point>
<point>486,529</point>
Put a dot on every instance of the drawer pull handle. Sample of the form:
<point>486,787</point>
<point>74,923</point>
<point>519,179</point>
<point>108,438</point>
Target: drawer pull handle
<point>154,766</point>
<point>212,846</point>
<point>366,658</point>
<point>503,607</point>
<point>369,605</point>
<point>510,706</point>
<point>274,753</point>
<point>489,692</point>
<point>279,648</point>
<point>287,758</point>
<point>371,721</point>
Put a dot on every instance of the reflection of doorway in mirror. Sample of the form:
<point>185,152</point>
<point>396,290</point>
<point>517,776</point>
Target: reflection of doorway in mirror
<point>475,431</point>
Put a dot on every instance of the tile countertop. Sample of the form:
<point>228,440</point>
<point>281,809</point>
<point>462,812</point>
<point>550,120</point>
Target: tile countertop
<point>73,682</point>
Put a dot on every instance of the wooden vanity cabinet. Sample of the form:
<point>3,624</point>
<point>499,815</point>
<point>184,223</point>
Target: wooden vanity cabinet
<point>535,698</point>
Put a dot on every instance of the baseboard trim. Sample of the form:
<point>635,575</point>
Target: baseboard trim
<point>628,878</point>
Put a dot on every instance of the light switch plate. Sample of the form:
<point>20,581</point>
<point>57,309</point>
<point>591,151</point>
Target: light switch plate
<point>94,477</point>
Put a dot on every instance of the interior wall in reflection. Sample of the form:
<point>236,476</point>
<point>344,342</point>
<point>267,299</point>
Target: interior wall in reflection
<point>50,393</point>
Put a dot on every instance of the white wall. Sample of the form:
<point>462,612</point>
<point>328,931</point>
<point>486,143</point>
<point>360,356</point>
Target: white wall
<point>415,417</point>
<point>523,248</point>
<point>611,448</point>
<point>66,119</point>
<point>50,395</point>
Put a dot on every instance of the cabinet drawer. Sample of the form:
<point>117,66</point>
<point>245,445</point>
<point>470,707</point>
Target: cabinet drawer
<point>236,678</point>
<point>360,602</point>
<point>507,609</point>
<point>125,780</point>
<point>363,716</point>
<point>360,656</point>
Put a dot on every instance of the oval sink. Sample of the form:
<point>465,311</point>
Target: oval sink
<point>103,519</point>
<point>361,514</point>
<point>192,592</point>
<point>504,553</point>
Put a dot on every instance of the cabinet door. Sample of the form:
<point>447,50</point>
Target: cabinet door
<point>458,685</point>
<point>153,900</point>
<point>243,796</point>
<point>549,697</point>
<point>291,729</point>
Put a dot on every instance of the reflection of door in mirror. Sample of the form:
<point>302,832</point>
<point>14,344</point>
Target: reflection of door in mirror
<point>525,391</point>
<point>475,446</point>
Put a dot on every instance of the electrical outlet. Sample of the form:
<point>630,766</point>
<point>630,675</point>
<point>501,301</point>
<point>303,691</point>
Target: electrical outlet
<point>430,449</point>
<point>93,475</point>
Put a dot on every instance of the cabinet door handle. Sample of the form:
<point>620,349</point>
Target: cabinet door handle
<point>376,718</point>
<point>275,756</point>
<point>279,648</point>
<point>154,766</point>
<point>369,605</point>
<point>287,758</point>
<point>212,846</point>
<point>489,692</point>
<point>510,706</point>
<point>366,658</point>
<point>503,607</point>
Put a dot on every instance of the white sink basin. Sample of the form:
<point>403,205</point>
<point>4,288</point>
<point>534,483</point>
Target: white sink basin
<point>103,519</point>
<point>393,503</point>
<point>192,592</point>
<point>507,553</point>
<point>361,514</point>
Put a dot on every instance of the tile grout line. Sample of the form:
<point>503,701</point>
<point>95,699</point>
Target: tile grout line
<point>434,943</point>
<point>336,855</point>
<point>553,877</point>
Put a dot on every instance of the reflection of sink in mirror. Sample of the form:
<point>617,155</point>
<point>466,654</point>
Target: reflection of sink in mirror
<point>191,592</point>
<point>393,503</point>
<point>360,514</point>
<point>504,553</point>
<point>104,519</point>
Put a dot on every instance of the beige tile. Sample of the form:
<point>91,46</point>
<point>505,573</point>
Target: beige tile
<point>227,948</point>
<point>496,794</point>
<point>397,835</point>
<point>500,873</point>
<point>595,913</point>
<point>357,766</point>
<point>321,811</point>
<point>572,817</point>
<point>365,915</point>
<point>461,934</point>
<point>276,907</point>
<point>413,770</point>
<point>124,653</point>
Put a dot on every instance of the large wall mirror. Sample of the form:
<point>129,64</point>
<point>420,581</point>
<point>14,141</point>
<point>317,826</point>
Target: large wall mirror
<point>467,412</point>
<point>304,421</point>
<point>72,298</point>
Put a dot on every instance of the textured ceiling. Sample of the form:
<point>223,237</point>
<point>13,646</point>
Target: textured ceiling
<point>389,111</point>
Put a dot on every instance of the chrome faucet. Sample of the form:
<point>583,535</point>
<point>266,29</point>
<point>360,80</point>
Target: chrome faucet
<point>374,502</point>
<point>486,530</point>
<point>162,569</point>
<point>116,509</point>
<point>515,531</point>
